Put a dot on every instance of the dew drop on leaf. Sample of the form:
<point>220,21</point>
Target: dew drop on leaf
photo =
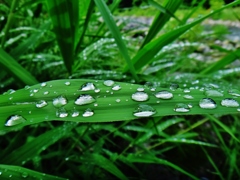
<point>46,92</point>
<point>234,92</point>
<point>41,103</point>
<point>116,87</point>
<point>59,101</point>
<point>144,110</point>
<point>181,107</point>
<point>164,95</point>
<point>15,120</point>
<point>61,113</point>
<point>187,96</point>
<point>118,100</point>
<point>24,174</point>
<point>75,113</point>
<point>173,87</point>
<point>87,87</point>
<point>108,83</point>
<point>140,96</point>
<point>84,99</point>
<point>88,112</point>
<point>67,83</point>
<point>97,90</point>
<point>229,102</point>
<point>207,103</point>
<point>43,84</point>
<point>140,89</point>
<point>186,90</point>
<point>213,93</point>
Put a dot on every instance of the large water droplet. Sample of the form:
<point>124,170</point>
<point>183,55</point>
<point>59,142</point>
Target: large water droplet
<point>144,110</point>
<point>229,102</point>
<point>87,87</point>
<point>88,112</point>
<point>213,93</point>
<point>61,113</point>
<point>207,103</point>
<point>234,92</point>
<point>59,101</point>
<point>41,103</point>
<point>108,83</point>
<point>84,99</point>
<point>140,96</point>
<point>164,95</point>
<point>15,120</point>
<point>181,107</point>
<point>116,87</point>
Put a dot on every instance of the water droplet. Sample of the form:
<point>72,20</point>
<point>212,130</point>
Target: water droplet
<point>187,90</point>
<point>238,109</point>
<point>108,83</point>
<point>118,100</point>
<point>97,90</point>
<point>95,104</point>
<point>59,101</point>
<point>87,87</point>
<point>15,120</point>
<point>190,105</point>
<point>61,113</point>
<point>213,93</point>
<point>35,90</point>
<point>46,92</point>
<point>88,112</point>
<point>173,87</point>
<point>140,96</point>
<point>181,107</point>
<point>116,87</point>
<point>140,89</point>
<point>207,103</point>
<point>234,92</point>
<point>84,99</point>
<point>41,104</point>
<point>152,89</point>
<point>229,102</point>
<point>187,96</point>
<point>27,87</point>
<point>43,84</point>
<point>75,113</point>
<point>164,95</point>
<point>144,110</point>
<point>24,174</point>
<point>67,83</point>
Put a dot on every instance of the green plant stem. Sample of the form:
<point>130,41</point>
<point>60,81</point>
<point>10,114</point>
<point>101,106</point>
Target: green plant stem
<point>9,21</point>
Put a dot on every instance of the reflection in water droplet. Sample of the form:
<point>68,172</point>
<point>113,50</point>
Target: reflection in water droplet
<point>116,87</point>
<point>75,113</point>
<point>87,87</point>
<point>108,83</point>
<point>207,103</point>
<point>84,99</point>
<point>164,95</point>
<point>67,83</point>
<point>140,96</point>
<point>229,102</point>
<point>43,84</point>
<point>88,112</point>
<point>181,107</point>
<point>187,96</point>
<point>61,113</point>
<point>140,89</point>
<point>59,101</point>
<point>213,93</point>
<point>173,87</point>
<point>41,103</point>
<point>15,120</point>
<point>234,92</point>
<point>144,110</point>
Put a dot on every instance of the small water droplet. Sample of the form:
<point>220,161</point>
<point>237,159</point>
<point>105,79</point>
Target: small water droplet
<point>213,93</point>
<point>46,92</point>
<point>108,83</point>
<point>75,113</point>
<point>87,87</point>
<point>95,104</point>
<point>152,89</point>
<point>187,90</point>
<point>27,87</point>
<point>118,100</point>
<point>84,99</point>
<point>173,87</point>
<point>97,90</point>
<point>164,95</point>
<point>181,107</point>
<point>24,174</point>
<point>140,89</point>
<point>61,113</point>
<point>35,90</point>
<point>187,96</point>
<point>116,87</point>
<point>15,120</point>
<point>43,84</point>
<point>88,112</point>
<point>234,92</point>
<point>41,103</point>
<point>144,110</point>
<point>140,96</point>
<point>229,102</point>
<point>238,109</point>
<point>67,83</point>
<point>59,101</point>
<point>207,103</point>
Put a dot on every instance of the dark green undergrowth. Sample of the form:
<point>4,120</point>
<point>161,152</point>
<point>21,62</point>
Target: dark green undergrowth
<point>89,92</point>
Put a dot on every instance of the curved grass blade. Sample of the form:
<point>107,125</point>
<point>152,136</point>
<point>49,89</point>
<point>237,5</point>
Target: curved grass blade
<point>146,54</point>
<point>107,16</point>
<point>12,66</point>
<point>17,172</point>
<point>65,17</point>
<point>103,101</point>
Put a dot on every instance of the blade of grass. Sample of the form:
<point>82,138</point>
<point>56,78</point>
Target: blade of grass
<point>108,18</point>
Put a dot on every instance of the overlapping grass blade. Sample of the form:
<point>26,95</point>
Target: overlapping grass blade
<point>108,18</point>
<point>65,19</point>
<point>18,172</point>
<point>12,66</point>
